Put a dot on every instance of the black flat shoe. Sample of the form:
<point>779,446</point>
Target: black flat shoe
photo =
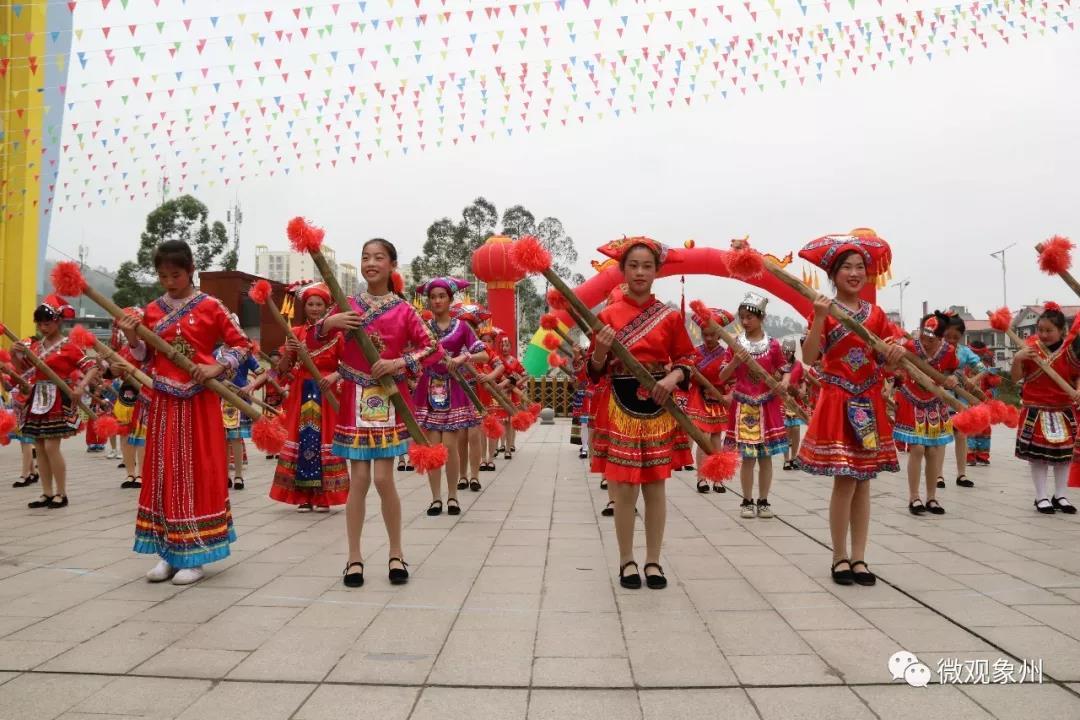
<point>435,508</point>
<point>603,484</point>
<point>842,577</point>
<point>238,484</point>
<point>399,576</point>
<point>583,454</point>
<point>486,467</point>
<point>22,482</point>
<point>355,579</point>
<point>656,582</point>
<point>935,507</point>
<point>138,481</point>
<point>916,507</point>
<point>463,484</point>
<point>633,582</point>
<point>507,456</point>
<point>963,481</point>
<point>130,482</point>
<point>409,467</point>
<point>609,510</point>
<point>788,465</point>
<point>513,449</point>
<point>1043,505</point>
<point>62,502</point>
<point>1063,505</point>
<point>863,577</point>
<point>474,484</point>
<point>45,500</point>
<point>121,466</point>
<point>702,485</point>
<point>719,487</point>
<point>688,467</point>
<point>941,482</point>
<point>454,509</point>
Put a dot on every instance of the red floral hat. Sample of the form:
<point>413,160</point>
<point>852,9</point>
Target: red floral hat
<point>876,253</point>
<point>722,317</point>
<point>617,248</point>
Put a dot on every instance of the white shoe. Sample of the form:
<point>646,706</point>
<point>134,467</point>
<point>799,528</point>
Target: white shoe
<point>188,576</point>
<point>161,572</point>
<point>746,509</point>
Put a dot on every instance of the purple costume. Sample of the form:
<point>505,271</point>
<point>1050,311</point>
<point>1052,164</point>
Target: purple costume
<point>441,404</point>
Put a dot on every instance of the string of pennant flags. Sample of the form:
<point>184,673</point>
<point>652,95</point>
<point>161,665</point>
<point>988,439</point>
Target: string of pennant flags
<point>362,103</point>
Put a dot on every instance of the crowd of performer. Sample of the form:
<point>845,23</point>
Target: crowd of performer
<point>831,403</point>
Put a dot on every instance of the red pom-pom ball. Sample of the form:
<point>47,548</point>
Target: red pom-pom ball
<point>260,292</point>
<point>549,321</point>
<point>972,421</point>
<point>720,466</point>
<point>304,237</point>
<point>551,341</point>
<point>1055,255</point>
<point>555,300</point>
<point>1001,319</point>
<point>106,426</point>
<point>492,427</point>
<point>269,435</point>
<point>745,263</point>
<point>67,279</point>
<point>521,420</point>
<point>529,255</point>
<point>81,337</point>
<point>426,458</point>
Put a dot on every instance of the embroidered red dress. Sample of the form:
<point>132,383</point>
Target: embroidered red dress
<point>921,418</point>
<point>707,413</point>
<point>756,424</point>
<point>849,432</point>
<point>184,513</point>
<point>633,439</point>
<point>307,470</point>
<point>48,413</point>
<point>1047,429</point>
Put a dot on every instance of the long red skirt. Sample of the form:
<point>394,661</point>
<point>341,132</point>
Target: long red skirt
<point>308,471</point>
<point>184,513</point>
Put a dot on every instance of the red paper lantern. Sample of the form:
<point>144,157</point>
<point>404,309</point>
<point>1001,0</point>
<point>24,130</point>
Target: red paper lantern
<point>491,263</point>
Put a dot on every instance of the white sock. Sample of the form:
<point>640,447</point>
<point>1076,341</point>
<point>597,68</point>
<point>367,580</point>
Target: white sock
<point>1061,479</point>
<point>1038,477</point>
<point>584,437</point>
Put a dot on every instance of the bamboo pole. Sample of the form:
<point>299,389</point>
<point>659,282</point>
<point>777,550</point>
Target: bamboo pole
<point>473,397</point>
<point>16,378</point>
<point>371,354</point>
<point>270,378</point>
<point>301,348</point>
<point>1064,274</point>
<point>172,354</point>
<point>48,372</point>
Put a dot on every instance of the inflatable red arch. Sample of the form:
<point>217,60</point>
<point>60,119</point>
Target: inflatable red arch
<point>695,261</point>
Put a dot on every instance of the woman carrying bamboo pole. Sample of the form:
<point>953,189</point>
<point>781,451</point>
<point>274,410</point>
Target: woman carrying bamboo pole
<point>710,412</point>
<point>849,436</point>
<point>184,515</point>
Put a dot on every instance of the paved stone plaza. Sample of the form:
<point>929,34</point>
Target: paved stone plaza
<point>513,610</point>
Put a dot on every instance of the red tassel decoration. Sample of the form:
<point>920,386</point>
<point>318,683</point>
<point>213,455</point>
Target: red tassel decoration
<point>550,322</point>
<point>269,435</point>
<point>81,337</point>
<point>529,255</point>
<point>551,341</point>
<point>521,420</point>
<point>492,427</point>
<point>426,458</point>
<point>1056,255</point>
<point>7,424</point>
<point>972,421</point>
<point>67,279</point>
<point>260,292</point>
<point>106,426</point>
<point>720,466</point>
<point>304,237</point>
<point>1001,319</point>
<point>745,263</point>
<point>556,301</point>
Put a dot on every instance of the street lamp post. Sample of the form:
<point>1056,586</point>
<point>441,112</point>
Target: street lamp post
<point>902,284</point>
<point>1000,255</point>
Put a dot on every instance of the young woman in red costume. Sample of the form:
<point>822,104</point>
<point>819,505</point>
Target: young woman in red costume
<point>309,474</point>
<point>1046,435</point>
<point>184,515</point>
<point>849,436</point>
<point>513,380</point>
<point>579,407</point>
<point>369,434</point>
<point>797,393</point>
<point>923,421</point>
<point>474,445</point>
<point>48,416</point>
<point>637,443</point>
<point>130,409</point>
<point>708,412</point>
<point>276,392</point>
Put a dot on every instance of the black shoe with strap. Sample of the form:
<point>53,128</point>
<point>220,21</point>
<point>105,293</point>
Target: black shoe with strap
<point>864,576</point>
<point>399,576</point>
<point>1043,505</point>
<point>916,507</point>
<point>45,500</point>
<point>353,579</point>
<point>129,483</point>
<point>435,508</point>
<point>58,501</point>
<point>963,481</point>
<point>454,509</point>
<point>702,485</point>
<point>609,509</point>
<point>941,482</point>
<point>474,484</point>
<point>401,466</point>
<point>633,582</point>
<point>1063,504</point>
<point>935,507</point>
<point>463,484</point>
<point>238,483</point>
<point>656,581</point>
<point>23,481</point>
<point>842,577</point>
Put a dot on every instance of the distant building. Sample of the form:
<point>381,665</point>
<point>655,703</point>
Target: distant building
<point>349,277</point>
<point>286,266</point>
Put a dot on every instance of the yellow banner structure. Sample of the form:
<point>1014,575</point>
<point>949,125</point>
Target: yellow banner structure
<point>28,159</point>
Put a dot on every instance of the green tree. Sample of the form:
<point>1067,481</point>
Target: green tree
<point>480,219</point>
<point>443,251</point>
<point>182,218</point>
<point>517,221</point>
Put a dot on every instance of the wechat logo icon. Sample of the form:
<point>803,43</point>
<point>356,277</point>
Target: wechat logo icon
<point>905,666</point>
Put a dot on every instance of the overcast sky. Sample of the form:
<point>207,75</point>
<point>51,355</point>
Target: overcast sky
<point>948,160</point>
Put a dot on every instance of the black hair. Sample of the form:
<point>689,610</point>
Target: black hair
<point>1055,316</point>
<point>942,322</point>
<point>955,321</point>
<point>174,252</point>
<point>635,246</point>
<point>977,345</point>
<point>44,313</point>
<point>272,353</point>
<point>840,260</point>
<point>387,245</point>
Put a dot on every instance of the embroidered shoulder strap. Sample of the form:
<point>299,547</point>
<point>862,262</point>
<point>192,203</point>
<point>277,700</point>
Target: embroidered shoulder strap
<point>172,316</point>
<point>643,324</point>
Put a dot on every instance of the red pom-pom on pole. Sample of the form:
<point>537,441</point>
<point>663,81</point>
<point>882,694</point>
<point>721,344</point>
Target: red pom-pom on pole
<point>556,301</point>
<point>550,322</point>
<point>702,313</point>
<point>745,263</point>
<point>999,411</point>
<point>972,421</point>
<point>81,337</point>
<point>106,426</point>
<point>5,356</point>
<point>555,360</point>
<point>260,292</point>
<point>67,279</point>
<point>720,466</point>
<point>534,409</point>
<point>426,458</point>
<point>1055,255</point>
<point>493,427</point>
<point>304,237</point>
<point>7,423</point>
<point>1001,319</point>
<point>521,420</point>
<point>529,255</point>
<point>426,315</point>
<point>269,435</point>
<point>551,341</point>
<point>1013,418</point>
